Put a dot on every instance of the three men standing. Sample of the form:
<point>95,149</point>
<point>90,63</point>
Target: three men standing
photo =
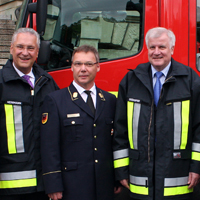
<point>157,125</point>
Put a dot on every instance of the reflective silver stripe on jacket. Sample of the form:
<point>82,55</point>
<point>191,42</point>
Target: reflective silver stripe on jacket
<point>136,115</point>
<point>136,180</point>
<point>196,147</point>
<point>177,125</point>
<point>8,176</point>
<point>171,182</point>
<point>18,128</point>
<point>120,154</point>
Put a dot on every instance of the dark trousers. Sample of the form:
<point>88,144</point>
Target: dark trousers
<point>31,196</point>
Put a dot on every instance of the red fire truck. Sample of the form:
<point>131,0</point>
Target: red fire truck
<point>115,27</point>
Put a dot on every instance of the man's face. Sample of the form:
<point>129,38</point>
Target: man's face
<point>24,51</point>
<point>84,75</point>
<point>159,52</point>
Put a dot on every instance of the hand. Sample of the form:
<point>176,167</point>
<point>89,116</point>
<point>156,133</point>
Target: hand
<point>193,179</point>
<point>55,196</point>
<point>117,190</point>
<point>124,182</point>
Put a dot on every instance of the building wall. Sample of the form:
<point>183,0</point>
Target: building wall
<point>7,8</point>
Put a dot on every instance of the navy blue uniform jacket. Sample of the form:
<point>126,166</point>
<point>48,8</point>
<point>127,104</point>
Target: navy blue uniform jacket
<point>77,146</point>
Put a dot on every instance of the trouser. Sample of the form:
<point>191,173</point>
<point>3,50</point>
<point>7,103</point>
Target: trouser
<point>30,196</point>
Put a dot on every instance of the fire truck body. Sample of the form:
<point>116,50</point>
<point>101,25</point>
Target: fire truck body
<point>116,28</point>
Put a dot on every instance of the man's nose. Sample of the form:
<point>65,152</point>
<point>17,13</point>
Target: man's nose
<point>156,50</point>
<point>25,51</point>
<point>83,67</point>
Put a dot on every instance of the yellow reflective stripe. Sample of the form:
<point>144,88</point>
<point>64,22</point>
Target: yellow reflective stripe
<point>185,123</point>
<point>113,92</point>
<point>10,128</point>
<point>195,156</point>
<point>171,191</point>
<point>130,106</point>
<point>18,183</point>
<point>139,189</point>
<point>121,162</point>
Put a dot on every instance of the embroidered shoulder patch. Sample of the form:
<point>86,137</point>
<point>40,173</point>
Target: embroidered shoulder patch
<point>44,118</point>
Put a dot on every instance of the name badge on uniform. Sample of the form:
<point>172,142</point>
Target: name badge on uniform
<point>177,155</point>
<point>73,115</point>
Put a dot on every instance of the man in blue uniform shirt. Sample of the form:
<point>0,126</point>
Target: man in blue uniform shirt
<point>77,129</point>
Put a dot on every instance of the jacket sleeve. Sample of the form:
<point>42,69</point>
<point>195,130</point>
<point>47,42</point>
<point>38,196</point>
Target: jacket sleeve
<point>195,114</point>
<point>50,147</point>
<point>120,139</point>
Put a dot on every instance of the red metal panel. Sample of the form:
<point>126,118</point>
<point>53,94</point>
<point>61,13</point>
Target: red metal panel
<point>174,15</point>
<point>192,34</point>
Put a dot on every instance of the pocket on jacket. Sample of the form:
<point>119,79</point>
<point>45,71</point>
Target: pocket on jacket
<point>73,129</point>
<point>69,166</point>
<point>134,154</point>
<point>109,121</point>
<point>182,154</point>
<point>14,158</point>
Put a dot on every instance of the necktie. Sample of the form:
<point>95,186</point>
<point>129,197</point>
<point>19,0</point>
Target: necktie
<point>27,78</point>
<point>90,101</point>
<point>157,87</point>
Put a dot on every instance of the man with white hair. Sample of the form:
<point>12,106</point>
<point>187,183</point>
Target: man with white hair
<point>157,125</point>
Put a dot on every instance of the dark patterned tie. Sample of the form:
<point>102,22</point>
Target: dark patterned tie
<point>157,87</point>
<point>27,78</point>
<point>90,101</point>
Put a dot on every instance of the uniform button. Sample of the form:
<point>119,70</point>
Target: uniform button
<point>94,125</point>
<point>96,161</point>
<point>73,122</point>
<point>65,168</point>
<point>95,136</point>
<point>95,149</point>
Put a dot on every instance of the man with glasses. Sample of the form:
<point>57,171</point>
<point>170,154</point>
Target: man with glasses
<point>77,129</point>
<point>23,86</point>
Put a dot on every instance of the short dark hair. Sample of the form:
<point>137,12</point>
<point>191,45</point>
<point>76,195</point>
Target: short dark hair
<point>86,48</point>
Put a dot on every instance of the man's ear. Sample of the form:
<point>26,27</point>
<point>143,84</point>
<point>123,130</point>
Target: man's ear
<point>11,49</point>
<point>98,68</point>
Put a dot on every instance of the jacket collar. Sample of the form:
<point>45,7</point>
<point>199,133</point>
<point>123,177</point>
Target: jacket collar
<point>10,74</point>
<point>143,73</point>
<point>77,99</point>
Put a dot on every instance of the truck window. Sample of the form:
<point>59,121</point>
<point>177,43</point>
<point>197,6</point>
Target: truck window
<point>114,27</point>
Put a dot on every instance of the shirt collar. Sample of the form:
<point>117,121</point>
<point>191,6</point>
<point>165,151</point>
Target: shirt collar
<point>81,89</point>
<point>164,71</point>
<point>21,73</point>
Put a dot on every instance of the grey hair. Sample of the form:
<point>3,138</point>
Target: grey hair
<point>86,48</point>
<point>26,30</point>
<point>157,32</point>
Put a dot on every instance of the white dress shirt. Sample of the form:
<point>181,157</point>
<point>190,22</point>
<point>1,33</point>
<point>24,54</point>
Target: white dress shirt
<point>30,74</point>
<point>84,95</point>
<point>163,77</point>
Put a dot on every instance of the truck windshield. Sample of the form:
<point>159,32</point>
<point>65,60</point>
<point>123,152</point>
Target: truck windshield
<point>114,27</point>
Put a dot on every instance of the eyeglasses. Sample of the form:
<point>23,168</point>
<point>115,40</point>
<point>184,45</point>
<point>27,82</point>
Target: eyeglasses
<point>22,47</point>
<point>87,64</point>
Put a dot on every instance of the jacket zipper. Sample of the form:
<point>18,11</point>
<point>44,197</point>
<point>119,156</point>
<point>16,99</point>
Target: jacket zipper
<point>151,122</point>
<point>149,130</point>
<point>32,89</point>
